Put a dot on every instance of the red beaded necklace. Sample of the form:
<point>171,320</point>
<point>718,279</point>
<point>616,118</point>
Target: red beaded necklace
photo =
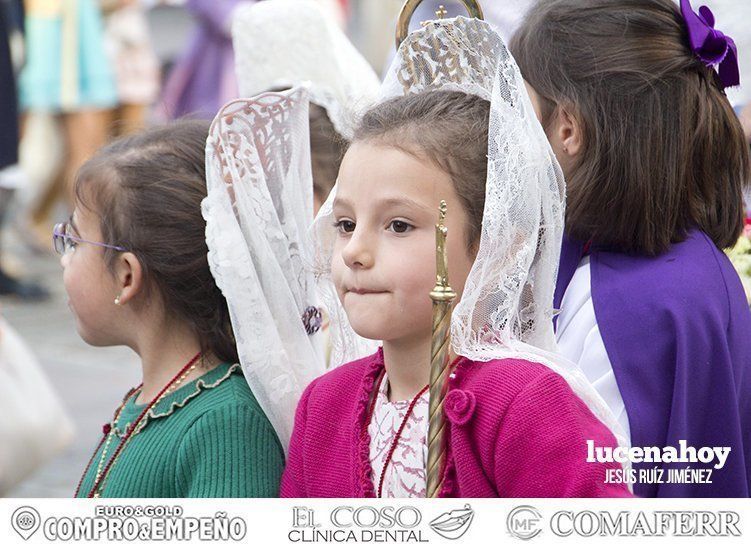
<point>399,432</point>
<point>125,439</point>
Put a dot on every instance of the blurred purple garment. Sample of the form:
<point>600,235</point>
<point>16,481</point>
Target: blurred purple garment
<point>204,77</point>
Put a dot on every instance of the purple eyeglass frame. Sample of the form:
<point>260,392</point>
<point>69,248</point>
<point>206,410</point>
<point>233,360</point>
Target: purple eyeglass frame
<point>58,231</point>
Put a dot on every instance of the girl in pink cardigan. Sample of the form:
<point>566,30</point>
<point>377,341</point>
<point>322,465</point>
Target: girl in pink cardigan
<point>518,417</point>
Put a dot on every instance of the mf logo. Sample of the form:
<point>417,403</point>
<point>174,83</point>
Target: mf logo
<point>524,522</point>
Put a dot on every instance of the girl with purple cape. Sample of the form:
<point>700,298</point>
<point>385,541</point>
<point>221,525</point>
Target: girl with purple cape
<point>632,97</point>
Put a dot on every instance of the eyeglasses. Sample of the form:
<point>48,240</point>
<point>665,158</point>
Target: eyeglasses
<point>64,241</point>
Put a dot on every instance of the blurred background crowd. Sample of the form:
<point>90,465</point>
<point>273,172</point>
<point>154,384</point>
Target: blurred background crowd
<point>73,75</point>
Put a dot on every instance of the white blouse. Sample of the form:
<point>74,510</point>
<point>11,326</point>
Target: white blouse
<point>580,341</point>
<point>406,473</point>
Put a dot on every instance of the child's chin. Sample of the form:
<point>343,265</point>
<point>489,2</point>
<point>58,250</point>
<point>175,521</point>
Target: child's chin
<point>371,331</point>
<point>92,338</point>
<point>369,326</point>
<point>381,331</point>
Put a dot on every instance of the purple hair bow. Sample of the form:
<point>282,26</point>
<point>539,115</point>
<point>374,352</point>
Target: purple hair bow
<point>711,45</point>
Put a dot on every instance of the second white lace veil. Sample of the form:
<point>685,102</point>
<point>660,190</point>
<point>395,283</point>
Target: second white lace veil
<point>285,43</point>
<point>506,308</point>
<point>258,211</point>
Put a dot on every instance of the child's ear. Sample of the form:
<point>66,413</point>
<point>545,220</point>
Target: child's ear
<point>129,277</point>
<point>569,133</point>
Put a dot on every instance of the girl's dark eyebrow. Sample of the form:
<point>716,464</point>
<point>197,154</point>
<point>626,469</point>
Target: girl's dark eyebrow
<point>400,201</point>
<point>404,201</point>
<point>341,202</point>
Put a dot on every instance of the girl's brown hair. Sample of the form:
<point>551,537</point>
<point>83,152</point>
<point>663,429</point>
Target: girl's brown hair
<point>326,151</point>
<point>327,148</point>
<point>448,128</point>
<point>147,190</point>
<point>663,150</point>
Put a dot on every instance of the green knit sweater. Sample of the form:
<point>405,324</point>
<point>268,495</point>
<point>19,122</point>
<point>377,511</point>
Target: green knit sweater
<point>209,438</point>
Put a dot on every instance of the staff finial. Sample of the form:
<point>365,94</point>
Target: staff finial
<point>405,16</point>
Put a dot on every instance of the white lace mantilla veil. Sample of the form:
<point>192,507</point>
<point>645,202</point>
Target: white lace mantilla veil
<point>285,43</point>
<point>258,211</point>
<point>506,308</point>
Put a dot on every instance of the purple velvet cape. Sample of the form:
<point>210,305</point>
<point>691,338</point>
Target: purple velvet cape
<point>677,330</point>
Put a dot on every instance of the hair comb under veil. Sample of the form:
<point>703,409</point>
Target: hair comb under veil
<point>506,308</point>
<point>258,211</point>
<point>285,43</point>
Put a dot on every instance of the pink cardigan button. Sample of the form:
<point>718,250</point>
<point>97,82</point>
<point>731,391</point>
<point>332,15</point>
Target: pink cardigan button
<point>459,406</point>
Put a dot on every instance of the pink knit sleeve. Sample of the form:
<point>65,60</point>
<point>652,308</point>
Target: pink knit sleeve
<point>293,478</point>
<point>541,447</point>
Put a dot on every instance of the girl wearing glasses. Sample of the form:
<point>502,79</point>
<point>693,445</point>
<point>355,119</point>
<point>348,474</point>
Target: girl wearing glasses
<point>135,270</point>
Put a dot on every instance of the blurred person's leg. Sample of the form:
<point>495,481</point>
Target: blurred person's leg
<point>85,132</point>
<point>130,118</point>
<point>41,213</point>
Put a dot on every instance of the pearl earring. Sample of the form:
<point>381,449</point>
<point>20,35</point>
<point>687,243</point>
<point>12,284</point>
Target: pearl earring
<point>117,300</point>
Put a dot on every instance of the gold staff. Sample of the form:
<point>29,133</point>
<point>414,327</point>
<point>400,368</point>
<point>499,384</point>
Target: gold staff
<point>442,296</point>
<point>409,7</point>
